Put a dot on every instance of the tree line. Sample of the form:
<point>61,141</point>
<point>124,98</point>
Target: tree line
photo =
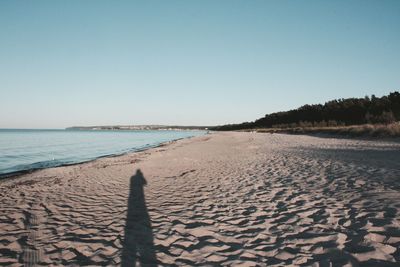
<point>339,112</point>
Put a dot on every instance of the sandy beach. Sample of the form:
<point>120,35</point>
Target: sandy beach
<point>230,199</point>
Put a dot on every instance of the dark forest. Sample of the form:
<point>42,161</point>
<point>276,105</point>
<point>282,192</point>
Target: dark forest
<point>340,112</point>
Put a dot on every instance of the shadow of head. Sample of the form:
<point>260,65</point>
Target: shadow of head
<point>138,179</point>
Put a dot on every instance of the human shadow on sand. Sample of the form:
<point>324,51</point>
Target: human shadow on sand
<point>138,245</point>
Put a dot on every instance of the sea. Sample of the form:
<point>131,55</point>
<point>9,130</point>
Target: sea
<point>24,150</point>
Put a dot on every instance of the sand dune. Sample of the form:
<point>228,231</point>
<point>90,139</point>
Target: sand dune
<point>231,199</point>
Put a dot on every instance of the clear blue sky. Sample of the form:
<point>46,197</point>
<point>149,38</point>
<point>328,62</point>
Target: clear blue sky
<point>66,63</point>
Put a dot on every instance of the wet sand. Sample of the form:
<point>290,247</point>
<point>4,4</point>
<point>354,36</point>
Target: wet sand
<point>232,199</point>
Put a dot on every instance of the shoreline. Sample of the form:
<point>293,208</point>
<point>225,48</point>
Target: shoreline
<point>16,174</point>
<point>396,139</point>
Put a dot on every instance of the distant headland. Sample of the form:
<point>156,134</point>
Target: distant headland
<point>139,127</point>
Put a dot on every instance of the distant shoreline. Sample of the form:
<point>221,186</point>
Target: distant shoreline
<point>140,127</point>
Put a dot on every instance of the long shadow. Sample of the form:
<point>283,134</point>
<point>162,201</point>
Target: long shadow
<point>138,246</point>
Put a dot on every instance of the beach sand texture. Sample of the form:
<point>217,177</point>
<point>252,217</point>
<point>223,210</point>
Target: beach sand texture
<point>222,199</point>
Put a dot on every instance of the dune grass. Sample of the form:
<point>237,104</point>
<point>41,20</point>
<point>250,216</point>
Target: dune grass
<point>365,130</point>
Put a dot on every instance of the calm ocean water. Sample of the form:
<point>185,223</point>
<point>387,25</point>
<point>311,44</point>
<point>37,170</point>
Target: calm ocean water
<point>30,149</point>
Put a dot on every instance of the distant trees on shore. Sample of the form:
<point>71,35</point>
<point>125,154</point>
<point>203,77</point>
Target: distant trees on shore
<point>340,112</point>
